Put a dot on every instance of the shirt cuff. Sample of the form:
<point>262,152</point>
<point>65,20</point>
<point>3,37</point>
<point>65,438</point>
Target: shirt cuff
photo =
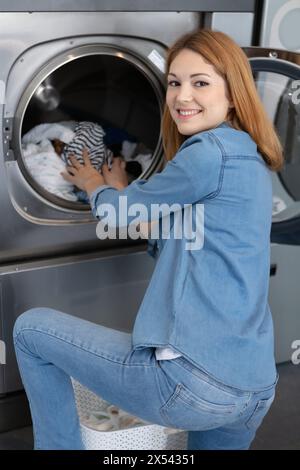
<point>94,197</point>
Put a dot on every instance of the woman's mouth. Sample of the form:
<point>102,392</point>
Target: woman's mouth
<point>187,113</point>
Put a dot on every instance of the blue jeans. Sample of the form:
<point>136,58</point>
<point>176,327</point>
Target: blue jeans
<point>52,346</point>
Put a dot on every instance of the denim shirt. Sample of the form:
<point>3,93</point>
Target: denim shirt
<point>210,303</point>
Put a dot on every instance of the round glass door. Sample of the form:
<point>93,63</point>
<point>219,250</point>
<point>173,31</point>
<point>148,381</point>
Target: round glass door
<point>278,84</point>
<point>279,90</point>
<point>99,97</point>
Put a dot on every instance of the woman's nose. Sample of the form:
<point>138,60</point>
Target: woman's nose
<point>184,93</point>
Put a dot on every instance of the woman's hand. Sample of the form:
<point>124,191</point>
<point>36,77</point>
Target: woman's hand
<point>116,176</point>
<point>85,176</point>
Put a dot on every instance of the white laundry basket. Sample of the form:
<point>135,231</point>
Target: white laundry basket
<point>142,437</point>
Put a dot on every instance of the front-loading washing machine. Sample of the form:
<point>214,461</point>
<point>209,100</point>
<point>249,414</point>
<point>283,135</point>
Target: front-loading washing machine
<point>280,24</point>
<point>277,76</point>
<point>111,79</point>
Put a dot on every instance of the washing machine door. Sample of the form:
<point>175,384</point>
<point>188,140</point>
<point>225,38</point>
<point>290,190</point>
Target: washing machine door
<point>277,77</point>
<point>110,82</point>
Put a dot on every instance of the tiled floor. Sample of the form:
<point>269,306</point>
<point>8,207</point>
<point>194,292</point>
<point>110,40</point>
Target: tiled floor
<point>280,429</point>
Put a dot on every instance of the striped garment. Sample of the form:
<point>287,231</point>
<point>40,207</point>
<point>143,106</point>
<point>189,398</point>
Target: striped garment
<point>88,135</point>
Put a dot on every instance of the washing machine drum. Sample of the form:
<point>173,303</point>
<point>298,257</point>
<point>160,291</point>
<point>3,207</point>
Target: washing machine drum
<point>119,98</point>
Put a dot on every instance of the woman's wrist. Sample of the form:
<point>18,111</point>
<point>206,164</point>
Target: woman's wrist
<point>93,184</point>
<point>120,186</point>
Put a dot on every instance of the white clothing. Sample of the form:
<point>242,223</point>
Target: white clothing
<point>162,354</point>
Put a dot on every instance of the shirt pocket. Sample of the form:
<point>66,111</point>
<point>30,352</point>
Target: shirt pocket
<point>259,412</point>
<point>185,410</point>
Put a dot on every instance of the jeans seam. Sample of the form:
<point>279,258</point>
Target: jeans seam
<point>163,402</point>
<point>158,387</point>
<point>35,435</point>
<point>115,360</point>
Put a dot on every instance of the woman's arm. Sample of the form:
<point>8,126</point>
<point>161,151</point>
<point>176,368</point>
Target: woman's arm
<point>193,175</point>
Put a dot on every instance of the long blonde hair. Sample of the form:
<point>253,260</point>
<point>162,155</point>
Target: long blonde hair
<point>248,113</point>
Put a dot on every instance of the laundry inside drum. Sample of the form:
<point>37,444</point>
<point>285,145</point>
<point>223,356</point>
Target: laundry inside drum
<point>104,103</point>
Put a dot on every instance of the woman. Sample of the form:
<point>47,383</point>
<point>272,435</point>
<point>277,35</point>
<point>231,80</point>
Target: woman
<point>201,354</point>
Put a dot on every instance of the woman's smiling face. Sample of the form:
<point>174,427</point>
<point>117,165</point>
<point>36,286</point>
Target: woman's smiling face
<point>197,95</point>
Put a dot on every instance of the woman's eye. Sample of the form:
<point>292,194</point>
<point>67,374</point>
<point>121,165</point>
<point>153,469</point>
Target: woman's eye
<point>200,83</point>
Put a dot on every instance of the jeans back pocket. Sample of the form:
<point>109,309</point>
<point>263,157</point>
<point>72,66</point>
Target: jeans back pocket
<point>188,411</point>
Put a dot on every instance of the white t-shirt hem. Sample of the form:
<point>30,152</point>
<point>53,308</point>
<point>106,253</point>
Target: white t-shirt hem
<point>165,354</point>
